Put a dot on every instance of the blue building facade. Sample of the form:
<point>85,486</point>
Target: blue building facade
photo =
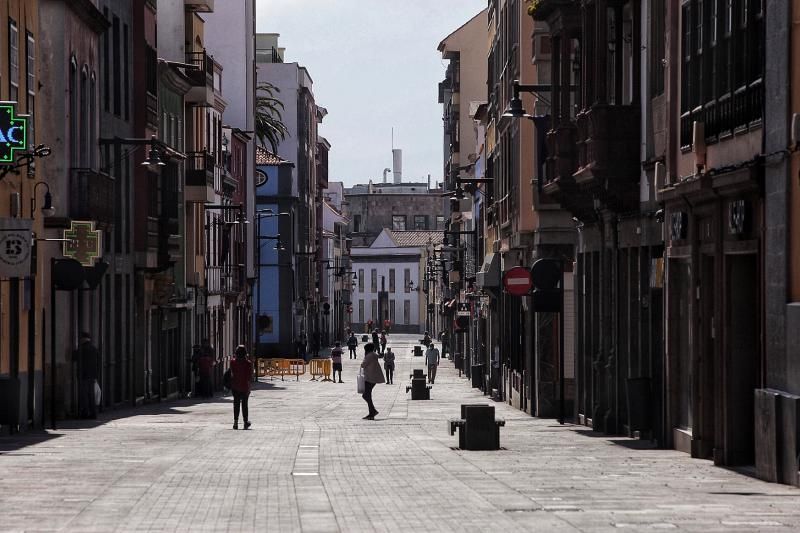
<point>274,325</point>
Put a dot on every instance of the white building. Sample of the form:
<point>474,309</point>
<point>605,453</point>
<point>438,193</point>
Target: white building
<point>389,275</point>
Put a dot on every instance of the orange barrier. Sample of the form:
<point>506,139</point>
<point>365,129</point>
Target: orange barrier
<point>296,367</point>
<point>320,367</point>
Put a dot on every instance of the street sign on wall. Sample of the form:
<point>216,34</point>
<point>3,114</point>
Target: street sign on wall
<point>15,247</point>
<point>517,281</point>
<point>463,309</point>
<point>13,132</point>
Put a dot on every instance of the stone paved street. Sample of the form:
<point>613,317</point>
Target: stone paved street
<point>310,463</point>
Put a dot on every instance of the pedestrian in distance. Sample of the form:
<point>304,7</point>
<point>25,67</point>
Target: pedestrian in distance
<point>352,344</point>
<point>301,344</point>
<point>432,360</point>
<point>241,374</point>
<point>336,359</point>
<point>388,365</point>
<point>372,376</point>
<point>383,341</point>
<point>315,344</point>
<point>205,367</point>
<point>426,339</point>
<point>375,338</point>
<point>87,357</point>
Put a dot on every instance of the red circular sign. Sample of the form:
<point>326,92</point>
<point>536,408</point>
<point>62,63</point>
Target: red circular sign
<point>517,281</point>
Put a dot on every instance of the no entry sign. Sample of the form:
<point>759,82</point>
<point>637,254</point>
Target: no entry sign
<point>517,281</point>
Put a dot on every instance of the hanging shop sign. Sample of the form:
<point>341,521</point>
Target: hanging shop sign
<point>83,242</point>
<point>463,309</point>
<point>15,247</point>
<point>517,281</point>
<point>13,133</point>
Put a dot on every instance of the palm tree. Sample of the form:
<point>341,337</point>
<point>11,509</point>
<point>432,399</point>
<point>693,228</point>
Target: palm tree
<point>269,121</point>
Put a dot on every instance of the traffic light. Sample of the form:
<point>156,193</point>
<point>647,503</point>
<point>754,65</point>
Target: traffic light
<point>548,294</point>
<point>264,324</point>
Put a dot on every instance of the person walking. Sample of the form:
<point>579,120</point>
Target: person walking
<point>372,375</point>
<point>352,343</point>
<point>241,374</point>
<point>375,339</point>
<point>432,360</point>
<point>205,367</point>
<point>87,357</point>
<point>388,365</point>
<point>336,359</point>
<point>383,341</point>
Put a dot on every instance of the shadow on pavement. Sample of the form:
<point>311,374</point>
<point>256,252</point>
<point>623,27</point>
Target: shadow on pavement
<point>632,444</point>
<point>18,441</point>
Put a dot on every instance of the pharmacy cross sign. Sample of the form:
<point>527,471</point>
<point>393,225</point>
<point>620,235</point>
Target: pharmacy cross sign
<point>13,133</point>
<point>83,242</point>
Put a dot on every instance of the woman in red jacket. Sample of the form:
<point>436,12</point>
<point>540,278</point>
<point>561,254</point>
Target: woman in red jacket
<point>241,374</point>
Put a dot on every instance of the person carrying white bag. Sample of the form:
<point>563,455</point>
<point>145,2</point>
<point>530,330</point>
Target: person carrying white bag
<point>370,374</point>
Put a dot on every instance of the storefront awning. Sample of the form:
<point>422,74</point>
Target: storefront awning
<point>489,274</point>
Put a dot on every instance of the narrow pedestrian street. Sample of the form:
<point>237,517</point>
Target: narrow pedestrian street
<point>310,463</point>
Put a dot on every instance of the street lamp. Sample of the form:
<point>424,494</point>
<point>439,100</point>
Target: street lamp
<point>47,208</point>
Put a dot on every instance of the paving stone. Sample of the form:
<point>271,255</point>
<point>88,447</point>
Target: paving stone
<point>310,463</point>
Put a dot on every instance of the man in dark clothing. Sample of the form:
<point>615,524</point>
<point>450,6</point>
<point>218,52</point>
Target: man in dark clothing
<point>87,357</point>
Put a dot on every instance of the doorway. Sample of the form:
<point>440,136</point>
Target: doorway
<point>741,358</point>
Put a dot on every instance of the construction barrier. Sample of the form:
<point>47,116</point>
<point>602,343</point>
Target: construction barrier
<point>320,367</point>
<point>297,367</point>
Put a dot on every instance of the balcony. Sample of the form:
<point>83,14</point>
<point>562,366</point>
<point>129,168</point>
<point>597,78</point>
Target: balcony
<point>199,6</point>
<point>559,182</point>
<point>608,155</point>
<point>201,77</point>
<point>729,114</point>
<point>199,177</point>
<point>169,240</point>
<point>91,197</point>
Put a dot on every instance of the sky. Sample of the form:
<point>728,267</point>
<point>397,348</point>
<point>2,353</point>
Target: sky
<point>375,67</point>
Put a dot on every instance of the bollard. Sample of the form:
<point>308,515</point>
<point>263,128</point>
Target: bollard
<point>420,390</point>
<point>478,428</point>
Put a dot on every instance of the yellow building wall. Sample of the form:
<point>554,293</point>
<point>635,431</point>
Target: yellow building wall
<point>26,15</point>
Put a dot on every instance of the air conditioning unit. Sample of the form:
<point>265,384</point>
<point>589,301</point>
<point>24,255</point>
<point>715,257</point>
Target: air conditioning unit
<point>699,145</point>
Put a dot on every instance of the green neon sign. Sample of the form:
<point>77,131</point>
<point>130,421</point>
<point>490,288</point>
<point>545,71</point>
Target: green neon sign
<point>13,133</point>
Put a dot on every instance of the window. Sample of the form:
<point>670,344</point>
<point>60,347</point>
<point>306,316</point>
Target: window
<point>657,40</point>
<point>407,279</point>
<point>92,126</point>
<point>420,222</point>
<point>361,311</point>
<point>356,223</point>
<point>360,280</point>
<point>84,113</point>
<point>374,315</point>
<point>30,69</point>
<point>73,113</point>
<point>439,221</point>
<point>406,312</point>
<point>106,67</point>
<point>373,280</point>
<point>399,222</point>
<point>391,280</point>
<point>116,67</point>
<point>13,60</point>
<point>126,72</point>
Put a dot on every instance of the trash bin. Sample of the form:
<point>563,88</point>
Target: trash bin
<point>477,376</point>
<point>639,404</point>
